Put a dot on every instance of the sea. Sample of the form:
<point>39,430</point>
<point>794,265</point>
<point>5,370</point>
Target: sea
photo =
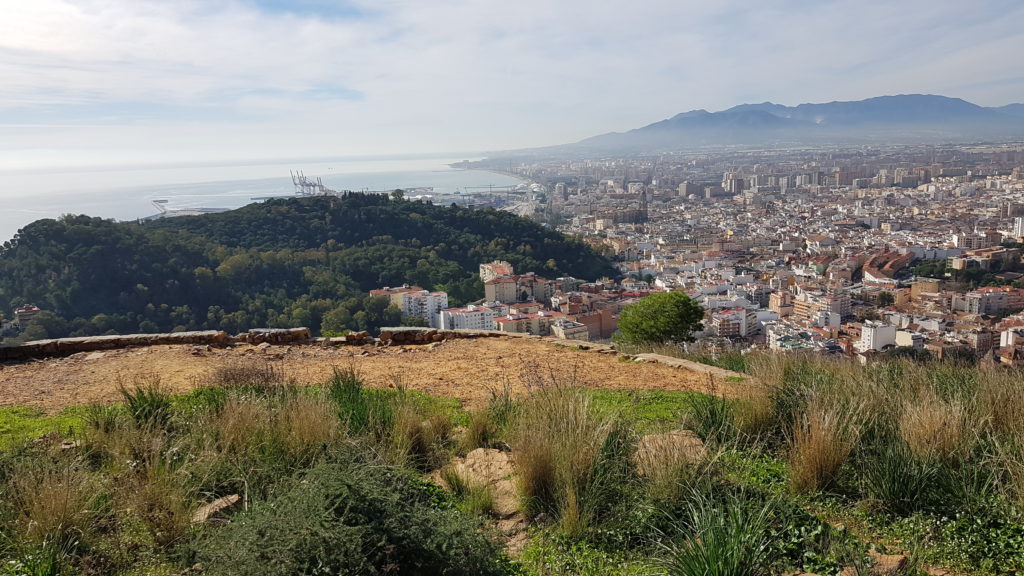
<point>128,193</point>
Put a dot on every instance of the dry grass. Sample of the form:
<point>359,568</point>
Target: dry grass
<point>261,378</point>
<point>1001,403</point>
<point>933,428</point>
<point>306,424</point>
<point>821,441</point>
<point>57,503</point>
<point>241,425</point>
<point>753,414</point>
<point>569,457</point>
<point>667,465</point>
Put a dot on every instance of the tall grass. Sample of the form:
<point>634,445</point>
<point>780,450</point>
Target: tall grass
<point>147,404</point>
<point>726,536</point>
<point>935,429</point>
<point>59,504</point>
<point>572,460</point>
<point>820,443</point>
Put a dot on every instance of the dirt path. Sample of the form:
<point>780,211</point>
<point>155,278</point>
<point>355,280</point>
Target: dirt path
<point>464,369</point>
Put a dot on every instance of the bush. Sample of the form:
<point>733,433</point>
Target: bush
<point>349,518</point>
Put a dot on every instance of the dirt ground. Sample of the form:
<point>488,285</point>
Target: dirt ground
<point>466,369</point>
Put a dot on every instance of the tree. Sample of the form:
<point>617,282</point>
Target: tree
<point>658,318</point>
<point>885,299</point>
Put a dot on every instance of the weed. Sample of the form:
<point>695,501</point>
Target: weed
<point>147,405</point>
<point>726,536</point>
<point>260,378</point>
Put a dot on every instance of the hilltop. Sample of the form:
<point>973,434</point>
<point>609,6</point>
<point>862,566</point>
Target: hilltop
<point>282,263</point>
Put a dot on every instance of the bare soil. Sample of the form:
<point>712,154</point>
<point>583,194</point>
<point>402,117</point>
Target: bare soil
<point>468,369</point>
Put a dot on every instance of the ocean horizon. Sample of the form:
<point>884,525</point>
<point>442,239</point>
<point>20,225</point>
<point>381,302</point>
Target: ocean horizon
<point>128,193</point>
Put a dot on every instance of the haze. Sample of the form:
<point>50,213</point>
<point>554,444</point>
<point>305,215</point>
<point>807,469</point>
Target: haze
<point>123,82</point>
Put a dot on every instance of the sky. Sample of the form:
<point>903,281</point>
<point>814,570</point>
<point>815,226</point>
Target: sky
<point>92,83</point>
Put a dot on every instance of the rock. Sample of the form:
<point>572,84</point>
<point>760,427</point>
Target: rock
<point>207,512</point>
<point>495,470</point>
<point>887,564</point>
<point>70,444</point>
<point>655,447</point>
<point>95,356</point>
<point>883,565</point>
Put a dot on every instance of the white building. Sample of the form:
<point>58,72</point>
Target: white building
<point>468,318</point>
<point>425,304</point>
<point>876,336</point>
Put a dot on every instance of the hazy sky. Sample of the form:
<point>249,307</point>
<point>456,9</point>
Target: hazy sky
<point>107,82</point>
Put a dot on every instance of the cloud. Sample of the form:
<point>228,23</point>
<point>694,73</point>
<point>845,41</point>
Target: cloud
<point>265,77</point>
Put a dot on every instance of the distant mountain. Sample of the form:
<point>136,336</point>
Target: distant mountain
<point>1012,109</point>
<point>906,118</point>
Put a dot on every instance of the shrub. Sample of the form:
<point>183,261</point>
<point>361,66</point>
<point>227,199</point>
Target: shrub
<point>349,518</point>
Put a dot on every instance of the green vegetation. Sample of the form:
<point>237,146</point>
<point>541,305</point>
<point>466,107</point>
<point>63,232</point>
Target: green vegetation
<point>659,318</point>
<point>281,263</point>
<point>806,467</point>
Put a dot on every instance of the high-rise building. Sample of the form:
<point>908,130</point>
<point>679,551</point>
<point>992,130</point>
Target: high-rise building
<point>1018,227</point>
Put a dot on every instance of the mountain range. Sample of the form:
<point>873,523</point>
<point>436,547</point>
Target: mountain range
<point>899,119</point>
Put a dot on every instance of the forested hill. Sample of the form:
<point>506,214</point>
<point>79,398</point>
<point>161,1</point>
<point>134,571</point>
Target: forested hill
<point>282,263</point>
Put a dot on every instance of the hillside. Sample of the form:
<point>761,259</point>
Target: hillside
<point>902,119</point>
<point>415,460</point>
<point>282,263</point>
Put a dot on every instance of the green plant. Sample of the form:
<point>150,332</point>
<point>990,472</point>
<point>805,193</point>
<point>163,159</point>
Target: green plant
<point>346,517</point>
<point>896,478</point>
<point>727,536</point>
<point>660,317</point>
<point>147,405</point>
